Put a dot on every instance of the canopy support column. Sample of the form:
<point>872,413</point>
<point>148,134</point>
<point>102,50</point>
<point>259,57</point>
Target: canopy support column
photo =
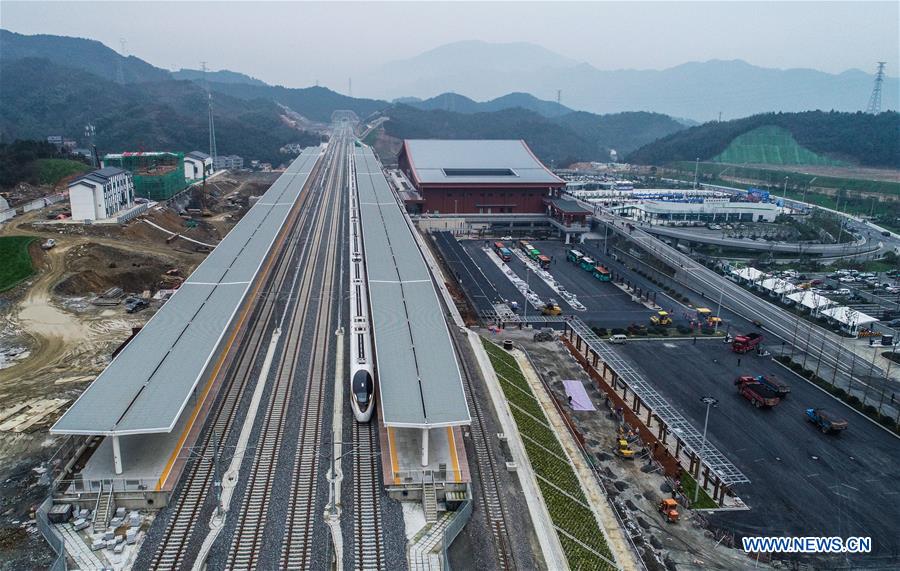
<point>117,454</point>
<point>424,447</point>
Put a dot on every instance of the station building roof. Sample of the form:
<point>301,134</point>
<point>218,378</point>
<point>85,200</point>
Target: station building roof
<point>148,384</point>
<point>476,162</point>
<point>419,381</point>
<point>567,206</point>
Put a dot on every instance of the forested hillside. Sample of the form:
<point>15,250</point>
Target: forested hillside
<point>574,137</point>
<point>44,99</point>
<point>858,138</point>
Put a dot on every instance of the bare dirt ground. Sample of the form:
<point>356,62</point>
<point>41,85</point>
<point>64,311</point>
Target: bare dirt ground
<point>62,342</point>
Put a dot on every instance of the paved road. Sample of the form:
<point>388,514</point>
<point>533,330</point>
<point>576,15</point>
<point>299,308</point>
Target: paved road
<point>864,245</point>
<point>607,305</point>
<point>777,322</point>
<point>802,482</point>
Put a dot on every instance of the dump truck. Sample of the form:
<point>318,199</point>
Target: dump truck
<point>661,319</point>
<point>826,421</point>
<point>781,388</point>
<point>757,393</point>
<point>551,308</point>
<point>746,342</point>
<point>669,508</point>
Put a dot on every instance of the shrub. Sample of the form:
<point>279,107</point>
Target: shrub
<point>618,331</point>
<point>852,400</point>
<point>683,329</point>
<point>871,411</point>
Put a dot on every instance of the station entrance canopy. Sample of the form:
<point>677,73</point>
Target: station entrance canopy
<point>148,384</point>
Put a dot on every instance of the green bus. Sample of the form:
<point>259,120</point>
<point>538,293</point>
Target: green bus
<point>574,256</point>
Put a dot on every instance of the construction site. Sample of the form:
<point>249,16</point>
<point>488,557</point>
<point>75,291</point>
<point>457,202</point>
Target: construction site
<point>157,175</point>
<point>88,294</point>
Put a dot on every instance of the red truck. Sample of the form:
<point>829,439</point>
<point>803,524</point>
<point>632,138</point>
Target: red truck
<point>781,388</point>
<point>745,343</point>
<point>757,393</point>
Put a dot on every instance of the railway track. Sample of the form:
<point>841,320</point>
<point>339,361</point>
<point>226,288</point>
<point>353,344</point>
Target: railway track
<point>490,499</point>
<point>368,547</point>
<point>297,544</point>
<point>171,552</point>
<point>246,544</point>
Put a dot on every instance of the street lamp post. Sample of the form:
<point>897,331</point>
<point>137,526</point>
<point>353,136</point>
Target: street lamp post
<point>525,295</point>
<point>709,402</point>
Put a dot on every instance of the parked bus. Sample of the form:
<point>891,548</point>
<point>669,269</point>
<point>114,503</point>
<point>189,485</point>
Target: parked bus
<point>544,261</point>
<point>574,256</point>
<point>524,245</point>
<point>534,253</point>
<point>587,264</point>
<point>602,274</point>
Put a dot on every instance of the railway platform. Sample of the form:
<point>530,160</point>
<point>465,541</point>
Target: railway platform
<point>402,465</point>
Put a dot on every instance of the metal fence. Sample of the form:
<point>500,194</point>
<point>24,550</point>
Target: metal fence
<point>44,201</point>
<point>7,214</point>
<point>134,212</point>
<point>455,526</point>
<point>53,538</point>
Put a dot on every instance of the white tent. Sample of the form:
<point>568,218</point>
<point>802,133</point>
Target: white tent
<point>749,274</point>
<point>778,286</point>
<point>848,317</point>
<point>811,300</point>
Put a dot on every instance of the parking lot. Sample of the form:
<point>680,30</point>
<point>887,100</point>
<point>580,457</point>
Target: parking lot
<point>607,305</point>
<point>803,482</point>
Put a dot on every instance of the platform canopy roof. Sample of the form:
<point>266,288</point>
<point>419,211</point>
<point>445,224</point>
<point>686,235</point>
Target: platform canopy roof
<point>848,316</point>
<point>419,381</point>
<point>491,162</point>
<point>147,386</point>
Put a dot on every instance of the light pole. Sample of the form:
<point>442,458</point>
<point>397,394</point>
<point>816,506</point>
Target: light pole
<point>525,295</point>
<point>709,402</point>
<point>696,172</point>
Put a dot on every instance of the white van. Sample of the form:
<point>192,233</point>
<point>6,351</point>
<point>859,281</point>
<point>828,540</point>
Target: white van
<point>618,339</point>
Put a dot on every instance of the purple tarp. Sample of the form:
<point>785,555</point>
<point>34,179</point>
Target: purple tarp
<point>580,400</point>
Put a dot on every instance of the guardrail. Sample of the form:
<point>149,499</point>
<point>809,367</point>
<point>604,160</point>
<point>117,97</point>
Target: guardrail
<point>51,536</point>
<point>456,525</point>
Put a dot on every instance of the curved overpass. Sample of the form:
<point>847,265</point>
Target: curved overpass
<point>825,250</point>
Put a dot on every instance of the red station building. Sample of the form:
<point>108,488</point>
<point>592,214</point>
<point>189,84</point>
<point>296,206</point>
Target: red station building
<point>476,177</point>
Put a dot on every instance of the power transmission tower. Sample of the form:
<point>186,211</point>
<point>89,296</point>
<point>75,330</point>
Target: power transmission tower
<point>875,99</point>
<point>212,125</point>
<point>120,72</point>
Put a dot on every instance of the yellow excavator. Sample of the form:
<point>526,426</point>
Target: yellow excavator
<point>551,308</point>
<point>661,319</point>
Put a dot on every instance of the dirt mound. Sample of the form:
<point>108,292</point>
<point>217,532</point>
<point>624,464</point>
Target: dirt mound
<point>94,268</point>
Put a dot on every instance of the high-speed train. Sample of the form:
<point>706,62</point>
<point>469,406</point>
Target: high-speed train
<point>362,360</point>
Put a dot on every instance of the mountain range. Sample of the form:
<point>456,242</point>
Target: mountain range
<point>696,90</point>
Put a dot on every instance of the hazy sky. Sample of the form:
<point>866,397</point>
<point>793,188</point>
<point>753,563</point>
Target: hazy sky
<point>297,43</point>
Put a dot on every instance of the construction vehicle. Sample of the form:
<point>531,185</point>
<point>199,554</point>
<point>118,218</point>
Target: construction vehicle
<point>826,421</point>
<point>705,316</point>
<point>661,319</point>
<point>669,508</point>
<point>624,450</point>
<point>551,308</point>
<point>757,393</point>
<point>746,342</point>
<point>782,389</point>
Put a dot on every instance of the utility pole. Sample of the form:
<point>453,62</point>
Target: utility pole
<point>875,98</point>
<point>696,171</point>
<point>709,402</point>
<point>120,72</point>
<point>212,125</point>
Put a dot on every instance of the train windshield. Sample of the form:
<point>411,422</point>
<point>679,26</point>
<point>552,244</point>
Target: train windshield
<point>362,386</point>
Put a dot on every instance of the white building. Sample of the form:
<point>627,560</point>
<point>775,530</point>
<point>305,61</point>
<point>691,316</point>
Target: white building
<point>101,194</point>
<point>228,162</point>
<point>197,165</point>
<point>711,210</point>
